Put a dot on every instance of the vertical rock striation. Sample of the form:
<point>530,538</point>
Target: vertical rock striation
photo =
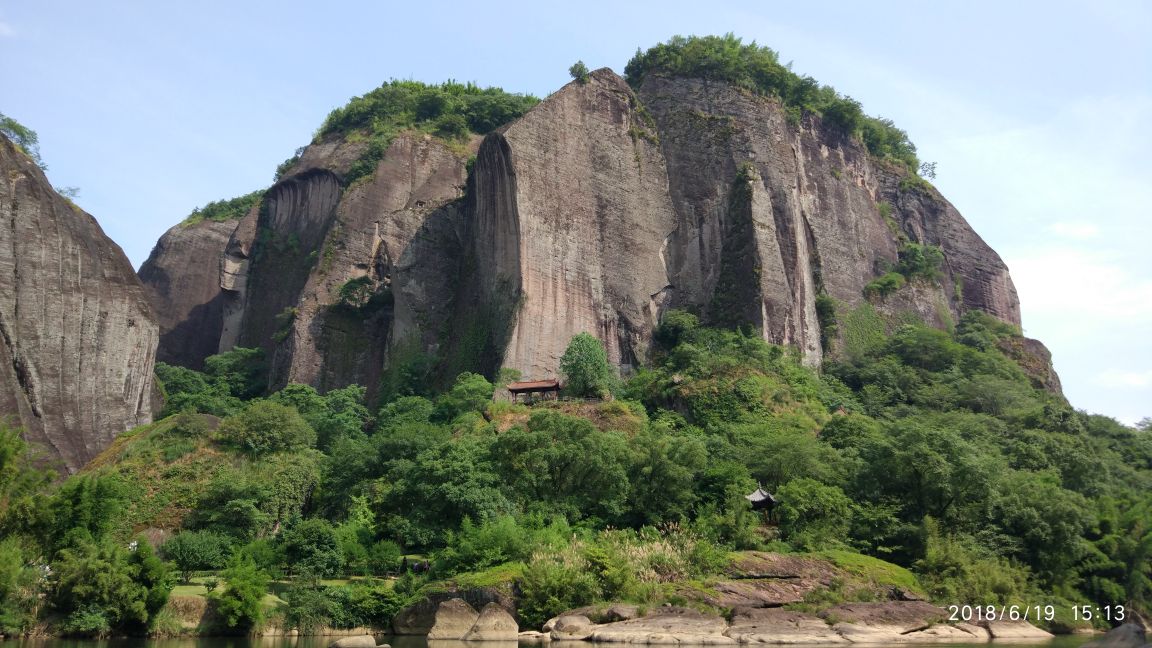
<point>571,217</point>
<point>77,336</point>
<point>596,211</point>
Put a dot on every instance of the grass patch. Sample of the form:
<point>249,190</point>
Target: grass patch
<point>496,576</point>
<point>877,571</point>
<point>864,329</point>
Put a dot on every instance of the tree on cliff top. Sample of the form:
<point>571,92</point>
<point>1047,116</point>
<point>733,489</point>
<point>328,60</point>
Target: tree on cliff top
<point>23,137</point>
<point>585,367</point>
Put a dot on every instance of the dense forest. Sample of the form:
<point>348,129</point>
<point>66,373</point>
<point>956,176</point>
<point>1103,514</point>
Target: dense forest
<point>930,450</point>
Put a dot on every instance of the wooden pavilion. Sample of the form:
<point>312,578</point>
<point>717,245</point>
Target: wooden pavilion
<point>528,388</point>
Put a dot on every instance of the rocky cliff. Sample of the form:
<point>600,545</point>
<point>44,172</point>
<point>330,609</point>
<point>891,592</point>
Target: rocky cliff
<point>597,211</point>
<point>77,335</point>
<point>182,277</point>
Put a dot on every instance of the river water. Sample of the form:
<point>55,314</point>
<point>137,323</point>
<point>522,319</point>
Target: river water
<point>404,642</point>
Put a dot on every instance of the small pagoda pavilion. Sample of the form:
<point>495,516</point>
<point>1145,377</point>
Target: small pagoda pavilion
<point>762,500</point>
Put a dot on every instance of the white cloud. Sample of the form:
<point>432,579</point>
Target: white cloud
<point>1079,286</point>
<point>1124,379</point>
<point>1074,230</point>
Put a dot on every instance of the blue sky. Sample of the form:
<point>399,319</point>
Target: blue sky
<point>1037,114</point>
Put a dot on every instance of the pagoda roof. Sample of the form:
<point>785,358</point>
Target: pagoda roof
<point>534,385</point>
<point>761,495</point>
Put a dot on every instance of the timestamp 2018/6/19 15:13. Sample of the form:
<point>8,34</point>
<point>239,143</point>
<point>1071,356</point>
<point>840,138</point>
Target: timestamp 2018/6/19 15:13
<point>1032,612</point>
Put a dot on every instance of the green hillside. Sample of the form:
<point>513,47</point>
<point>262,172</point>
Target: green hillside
<point>930,451</point>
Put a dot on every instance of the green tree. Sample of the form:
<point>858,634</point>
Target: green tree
<point>104,586</point>
<point>470,393</point>
<point>563,464</point>
<point>243,372</point>
<point>240,603</point>
<point>23,137</point>
<point>585,367</point>
<point>265,427</point>
<point>186,389</point>
<point>312,549</point>
<point>19,588</point>
<point>154,574</point>
<point>195,550</point>
<point>20,480</point>
<point>338,413</point>
<point>812,514</point>
<point>579,71</point>
<point>85,509</point>
<point>1049,521</point>
<point>384,558</point>
<point>664,474</point>
<point>431,493</point>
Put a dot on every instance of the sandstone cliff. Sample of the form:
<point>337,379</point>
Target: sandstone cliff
<point>570,224</point>
<point>770,213</point>
<point>182,277</point>
<point>597,210</point>
<point>77,336</point>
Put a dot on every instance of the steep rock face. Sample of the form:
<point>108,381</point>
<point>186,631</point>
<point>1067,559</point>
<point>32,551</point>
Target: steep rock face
<point>397,237</point>
<point>779,212</point>
<point>335,283</point>
<point>182,278</point>
<point>77,336</point>
<point>596,211</point>
<point>571,218</point>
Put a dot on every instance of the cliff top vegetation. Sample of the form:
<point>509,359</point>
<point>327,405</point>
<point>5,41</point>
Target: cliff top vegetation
<point>758,69</point>
<point>223,210</point>
<point>449,110</point>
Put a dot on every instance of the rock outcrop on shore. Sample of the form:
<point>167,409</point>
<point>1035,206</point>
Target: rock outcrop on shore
<point>456,620</point>
<point>890,622</point>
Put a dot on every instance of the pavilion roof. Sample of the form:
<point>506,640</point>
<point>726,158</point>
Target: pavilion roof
<point>761,495</point>
<point>533,385</point>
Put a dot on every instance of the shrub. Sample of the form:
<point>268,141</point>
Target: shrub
<point>223,210</point>
<point>549,587</point>
<point>675,327</point>
<point>309,608</point>
<point>826,315</point>
<point>918,260</point>
<point>240,603</point>
<point>265,427</point>
<point>884,285</point>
